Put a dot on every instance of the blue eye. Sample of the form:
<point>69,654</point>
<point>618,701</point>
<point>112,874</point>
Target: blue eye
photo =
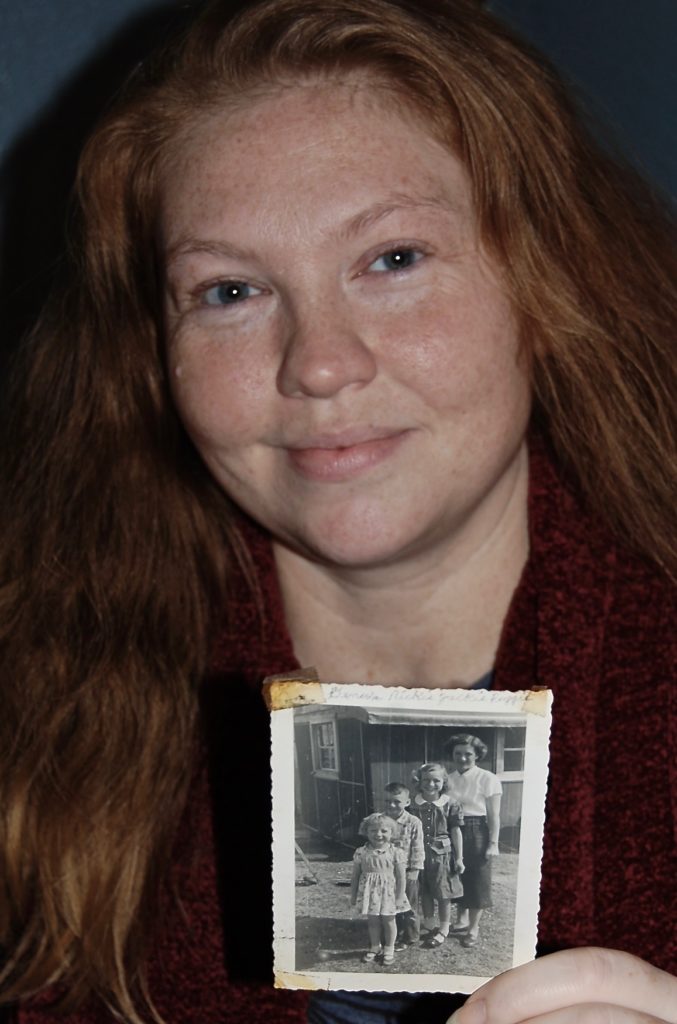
<point>228,293</point>
<point>396,259</point>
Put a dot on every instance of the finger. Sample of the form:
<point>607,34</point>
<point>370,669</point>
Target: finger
<point>571,978</point>
<point>594,1013</point>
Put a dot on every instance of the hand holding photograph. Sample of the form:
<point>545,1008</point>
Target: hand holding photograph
<point>407,834</point>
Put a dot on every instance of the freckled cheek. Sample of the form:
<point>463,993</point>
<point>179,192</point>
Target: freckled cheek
<point>456,360</point>
<point>220,405</point>
<point>435,362</point>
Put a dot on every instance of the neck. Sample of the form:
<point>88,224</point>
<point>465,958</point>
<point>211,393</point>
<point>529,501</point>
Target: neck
<point>433,619</point>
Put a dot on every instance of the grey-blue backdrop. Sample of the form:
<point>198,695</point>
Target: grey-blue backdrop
<point>621,57</point>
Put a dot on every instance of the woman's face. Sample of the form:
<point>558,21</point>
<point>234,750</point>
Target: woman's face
<point>464,757</point>
<point>341,351</point>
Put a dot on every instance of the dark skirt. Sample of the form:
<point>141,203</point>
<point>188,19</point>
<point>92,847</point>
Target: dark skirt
<point>437,879</point>
<point>477,875</point>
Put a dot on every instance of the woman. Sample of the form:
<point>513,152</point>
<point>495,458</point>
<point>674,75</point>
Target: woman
<point>331,259</point>
<point>478,791</point>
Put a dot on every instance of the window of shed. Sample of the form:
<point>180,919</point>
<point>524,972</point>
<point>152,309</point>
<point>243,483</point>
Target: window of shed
<point>510,752</point>
<point>325,756</point>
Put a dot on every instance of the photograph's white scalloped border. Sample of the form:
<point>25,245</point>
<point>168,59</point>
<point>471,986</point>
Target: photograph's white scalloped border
<point>533,708</point>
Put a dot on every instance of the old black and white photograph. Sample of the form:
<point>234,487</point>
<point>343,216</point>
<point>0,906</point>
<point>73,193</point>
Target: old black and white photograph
<point>407,835</point>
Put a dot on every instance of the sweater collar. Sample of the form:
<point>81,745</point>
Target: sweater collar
<point>560,605</point>
<point>254,642</point>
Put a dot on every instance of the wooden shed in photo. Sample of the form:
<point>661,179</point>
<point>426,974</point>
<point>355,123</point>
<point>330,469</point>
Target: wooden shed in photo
<point>345,756</point>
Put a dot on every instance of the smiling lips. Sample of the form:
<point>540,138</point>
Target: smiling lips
<point>343,456</point>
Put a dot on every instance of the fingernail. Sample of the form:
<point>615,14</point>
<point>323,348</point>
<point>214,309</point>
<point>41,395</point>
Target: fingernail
<point>471,1013</point>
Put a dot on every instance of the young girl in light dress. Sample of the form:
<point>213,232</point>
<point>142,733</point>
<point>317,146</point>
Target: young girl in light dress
<point>381,868</point>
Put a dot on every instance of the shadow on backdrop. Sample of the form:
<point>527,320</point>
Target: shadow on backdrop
<point>37,175</point>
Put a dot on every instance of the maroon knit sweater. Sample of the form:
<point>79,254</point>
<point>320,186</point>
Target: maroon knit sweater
<point>591,622</point>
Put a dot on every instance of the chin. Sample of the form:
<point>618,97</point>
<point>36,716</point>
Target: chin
<point>351,555</point>
<point>354,544</point>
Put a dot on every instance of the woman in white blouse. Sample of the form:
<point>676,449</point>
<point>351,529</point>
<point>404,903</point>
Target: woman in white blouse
<point>479,793</point>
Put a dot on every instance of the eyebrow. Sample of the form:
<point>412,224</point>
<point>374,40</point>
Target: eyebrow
<point>355,224</point>
<point>188,245</point>
<point>392,204</point>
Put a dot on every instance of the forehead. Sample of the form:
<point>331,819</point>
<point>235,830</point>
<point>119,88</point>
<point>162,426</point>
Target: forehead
<point>274,160</point>
<point>433,773</point>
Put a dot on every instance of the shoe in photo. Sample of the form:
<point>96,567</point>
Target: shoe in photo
<point>371,956</point>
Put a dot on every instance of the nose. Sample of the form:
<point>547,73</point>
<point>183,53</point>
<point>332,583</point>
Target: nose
<point>324,353</point>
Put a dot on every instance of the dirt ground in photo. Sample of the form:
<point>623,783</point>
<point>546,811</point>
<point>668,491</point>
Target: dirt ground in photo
<point>330,938</point>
